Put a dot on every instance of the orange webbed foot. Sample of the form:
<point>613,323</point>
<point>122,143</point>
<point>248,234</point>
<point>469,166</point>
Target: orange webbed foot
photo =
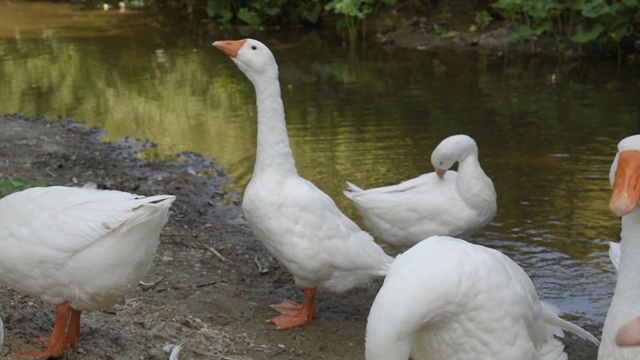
<point>61,339</point>
<point>284,322</point>
<point>287,307</point>
<point>42,342</point>
<point>39,354</point>
<point>294,314</point>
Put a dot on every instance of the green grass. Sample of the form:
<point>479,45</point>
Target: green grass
<point>8,186</point>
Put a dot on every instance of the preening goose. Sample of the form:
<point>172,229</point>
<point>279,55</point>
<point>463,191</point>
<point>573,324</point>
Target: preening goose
<point>446,298</point>
<point>443,202</point>
<point>625,305</point>
<point>300,225</point>
<point>80,249</point>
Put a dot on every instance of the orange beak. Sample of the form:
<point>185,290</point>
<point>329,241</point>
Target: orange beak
<point>626,186</point>
<point>230,47</point>
<point>440,173</point>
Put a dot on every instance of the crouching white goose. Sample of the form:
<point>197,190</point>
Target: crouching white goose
<point>443,202</point>
<point>81,249</point>
<point>446,298</point>
<point>625,305</point>
<point>298,223</point>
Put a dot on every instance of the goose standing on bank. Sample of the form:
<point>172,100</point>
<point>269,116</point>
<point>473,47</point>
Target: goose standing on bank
<point>443,202</point>
<point>446,298</point>
<point>300,225</point>
<point>81,249</point>
<point>625,305</point>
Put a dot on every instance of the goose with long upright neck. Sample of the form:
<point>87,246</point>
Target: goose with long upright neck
<point>298,223</point>
<point>625,305</point>
<point>442,202</point>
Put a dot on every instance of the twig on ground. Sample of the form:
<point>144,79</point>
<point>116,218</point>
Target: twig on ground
<point>261,270</point>
<point>151,285</point>
<point>215,252</point>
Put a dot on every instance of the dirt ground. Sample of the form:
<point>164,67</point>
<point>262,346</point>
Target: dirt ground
<point>215,306</point>
<point>448,24</point>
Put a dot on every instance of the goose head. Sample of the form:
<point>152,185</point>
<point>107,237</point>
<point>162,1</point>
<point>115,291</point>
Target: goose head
<point>451,150</point>
<point>253,58</point>
<point>625,176</point>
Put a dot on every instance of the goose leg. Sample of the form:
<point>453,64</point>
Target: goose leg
<point>55,344</point>
<point>73,332</point>
<point>294,314</point>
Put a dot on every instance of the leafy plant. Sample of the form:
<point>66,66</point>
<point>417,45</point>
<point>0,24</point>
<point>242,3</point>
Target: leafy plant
<point>580,21</point>
<point>582,36</point>
<point>264,12</point>
<point>354,12</point>
<point>7,186</point>
<point>483,19</point>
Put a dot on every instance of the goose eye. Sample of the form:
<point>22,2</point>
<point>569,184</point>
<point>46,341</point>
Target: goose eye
<point>254,47</point>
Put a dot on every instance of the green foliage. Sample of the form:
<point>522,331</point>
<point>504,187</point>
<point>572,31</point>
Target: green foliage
<point>354,12</point>
<point>582,36</point>
<point>483,19</point>
<point>222,10</point>
<point>7,186</point>
<point>581,21</point>
<point>264,12</point>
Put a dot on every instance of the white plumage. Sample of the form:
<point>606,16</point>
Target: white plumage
<point>449,299</point>
<point>78,248</point>
<point>624,177</point>
<point>443,202</point>
<point>299,224</point>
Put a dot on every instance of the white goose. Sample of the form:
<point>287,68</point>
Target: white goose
<point>625,305</point>
<point>437,203</point>
<point>298,223</point>
<point>445,298</point>
<point>81,249</point>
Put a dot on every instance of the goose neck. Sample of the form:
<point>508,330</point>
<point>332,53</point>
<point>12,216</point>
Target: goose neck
<point>472,180</point>
<point>629,267</point>
<point>469,166</point>
<point>273,149</point>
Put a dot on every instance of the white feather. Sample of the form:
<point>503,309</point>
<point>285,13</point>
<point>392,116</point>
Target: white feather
<point>174,350</point>
<point>614,254</point>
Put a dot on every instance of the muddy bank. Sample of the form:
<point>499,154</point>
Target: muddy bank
<point>214,305</point>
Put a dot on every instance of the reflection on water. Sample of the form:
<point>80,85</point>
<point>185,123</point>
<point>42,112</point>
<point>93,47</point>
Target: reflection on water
<point>546,130</point>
